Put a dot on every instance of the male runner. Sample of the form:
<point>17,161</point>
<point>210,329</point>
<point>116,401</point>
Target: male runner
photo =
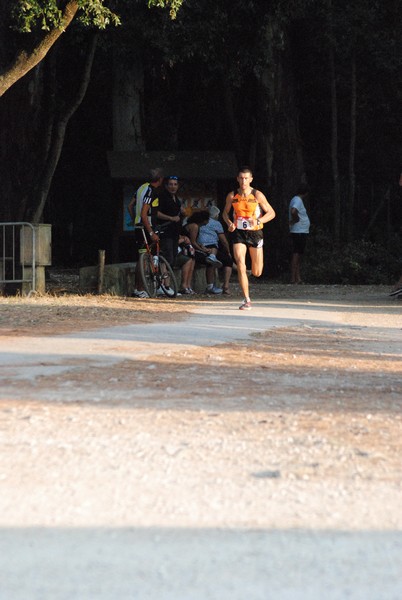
<point>250,211</point>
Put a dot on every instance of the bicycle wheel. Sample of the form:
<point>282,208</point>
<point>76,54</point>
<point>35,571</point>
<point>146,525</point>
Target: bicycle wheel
<point>167,279</point>
<point>148,276</point>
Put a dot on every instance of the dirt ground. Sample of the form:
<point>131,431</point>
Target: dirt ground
<point>64,309</point>
<point>330,390</point>
<point>297,427</point>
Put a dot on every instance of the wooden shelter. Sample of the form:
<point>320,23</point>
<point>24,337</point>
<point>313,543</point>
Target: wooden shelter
<point>205,179</point>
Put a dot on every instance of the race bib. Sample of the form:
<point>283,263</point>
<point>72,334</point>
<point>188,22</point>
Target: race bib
<point>245,224</point>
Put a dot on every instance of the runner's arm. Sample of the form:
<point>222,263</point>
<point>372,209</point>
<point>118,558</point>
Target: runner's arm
<point>226,210</point>
<point>269,212</point>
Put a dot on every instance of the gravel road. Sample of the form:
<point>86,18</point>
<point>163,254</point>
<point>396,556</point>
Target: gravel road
<point>212,455</point>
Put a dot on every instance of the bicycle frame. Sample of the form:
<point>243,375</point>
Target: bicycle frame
<point>156,273</point>
<point>149,247</point>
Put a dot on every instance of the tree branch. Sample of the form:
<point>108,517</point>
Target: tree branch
<point>60,131</point>
<point>24,62</point>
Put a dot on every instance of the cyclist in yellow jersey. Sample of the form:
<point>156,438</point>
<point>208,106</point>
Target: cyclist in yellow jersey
<point>246,210</point>
<point>146,195</point>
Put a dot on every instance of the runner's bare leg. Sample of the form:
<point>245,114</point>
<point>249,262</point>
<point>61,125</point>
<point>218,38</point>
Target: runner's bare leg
<point>239,254</point>
<point>257,261</point>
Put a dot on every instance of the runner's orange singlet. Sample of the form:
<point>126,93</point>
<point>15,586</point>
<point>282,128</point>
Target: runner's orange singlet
<point>246,208</point>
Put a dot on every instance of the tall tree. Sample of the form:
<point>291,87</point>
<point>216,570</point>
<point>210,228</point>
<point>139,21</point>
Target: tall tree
<point>46,22</point>
<point>363,45</point>
<point>45,108</point>
<point>58,119</point>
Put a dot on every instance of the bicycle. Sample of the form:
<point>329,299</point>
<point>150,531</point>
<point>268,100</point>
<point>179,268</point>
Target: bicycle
<point>155,270</point>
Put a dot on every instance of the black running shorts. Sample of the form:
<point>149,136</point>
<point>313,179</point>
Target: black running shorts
<point>254,239</point>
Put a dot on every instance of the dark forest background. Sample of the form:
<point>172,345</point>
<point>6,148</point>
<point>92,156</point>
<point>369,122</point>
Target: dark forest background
<point>302,91</point>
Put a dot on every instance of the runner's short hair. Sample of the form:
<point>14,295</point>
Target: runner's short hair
<point>245,169</point>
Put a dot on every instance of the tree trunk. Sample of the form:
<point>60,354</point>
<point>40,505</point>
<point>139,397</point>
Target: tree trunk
<point>289,160</point>
<point>128,94</point>
<point>25,62</point>
<point>280,164</point>
<point>384,202</point>
<point>334,149</point>
<point>266,121</point>
<point>232,119</point>
<point>352,152</point>
<point>266,102</point>
<point>58,135</point>
<point>21,126</point>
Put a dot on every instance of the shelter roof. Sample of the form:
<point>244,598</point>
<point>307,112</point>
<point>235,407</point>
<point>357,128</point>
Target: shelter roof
<point>194,165</point>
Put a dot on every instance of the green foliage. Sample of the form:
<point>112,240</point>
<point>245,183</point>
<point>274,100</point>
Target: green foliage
<point>174,5</point>
<point>93,12</point>
<point>46,14</point>
<point>360,262</point>
<point>29,14</point>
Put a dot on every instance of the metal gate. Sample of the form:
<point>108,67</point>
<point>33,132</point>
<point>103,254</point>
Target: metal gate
<point>17,254</point>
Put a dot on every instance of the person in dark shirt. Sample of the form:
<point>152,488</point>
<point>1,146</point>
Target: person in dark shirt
<point>168,215</point>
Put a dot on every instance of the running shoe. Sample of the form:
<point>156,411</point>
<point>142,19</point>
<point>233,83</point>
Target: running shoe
<point>245,305</point>
<point>187,292</point>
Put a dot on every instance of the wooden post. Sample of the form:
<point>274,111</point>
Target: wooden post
<point>101,273</point>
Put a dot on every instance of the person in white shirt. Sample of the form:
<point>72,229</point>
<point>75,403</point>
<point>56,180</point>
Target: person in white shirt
<point>299,224</point>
